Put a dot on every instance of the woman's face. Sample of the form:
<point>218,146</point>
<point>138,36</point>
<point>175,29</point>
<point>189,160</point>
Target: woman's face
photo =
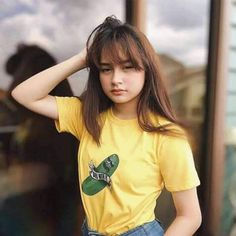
<point>121,83</point>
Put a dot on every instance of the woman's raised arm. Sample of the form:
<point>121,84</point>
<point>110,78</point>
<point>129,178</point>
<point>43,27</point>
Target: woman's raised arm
<point>33,93</point>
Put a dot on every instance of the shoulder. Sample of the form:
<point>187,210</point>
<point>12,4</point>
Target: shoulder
<point>171,136</point>
<point>68,103</point>
<point>170,127</point>
<point>175,141</point>
<point>72,100</point>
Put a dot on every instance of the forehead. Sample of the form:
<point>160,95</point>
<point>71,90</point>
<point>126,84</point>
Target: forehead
<point>118,52</point>
<point>114,54</point>
<point>114,59</point>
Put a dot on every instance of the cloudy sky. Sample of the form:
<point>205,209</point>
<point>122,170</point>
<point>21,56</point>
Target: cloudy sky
<point>176,27</point>
<point>179,28</point>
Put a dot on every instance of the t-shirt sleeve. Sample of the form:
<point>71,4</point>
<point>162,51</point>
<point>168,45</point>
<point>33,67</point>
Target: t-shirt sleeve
<point>69,116</point>
<point>177,164</point>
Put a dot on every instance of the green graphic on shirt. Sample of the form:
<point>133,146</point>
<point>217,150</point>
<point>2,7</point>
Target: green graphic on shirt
<point>100,176</point>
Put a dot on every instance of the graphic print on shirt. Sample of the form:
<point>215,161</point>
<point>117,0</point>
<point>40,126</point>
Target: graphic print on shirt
<point>100,177</point>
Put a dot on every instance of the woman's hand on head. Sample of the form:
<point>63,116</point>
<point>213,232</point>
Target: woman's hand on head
<point>33,93</point>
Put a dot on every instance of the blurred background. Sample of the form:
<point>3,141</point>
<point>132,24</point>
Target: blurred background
<point>196,42</point>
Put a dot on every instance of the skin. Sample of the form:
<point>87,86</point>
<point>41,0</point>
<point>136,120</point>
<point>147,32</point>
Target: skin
<point>34,94</point>
<point>188,214</point>
<point>122,84</point>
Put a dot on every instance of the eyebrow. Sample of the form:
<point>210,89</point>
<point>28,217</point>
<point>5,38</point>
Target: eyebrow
<point>104,64</point>
<point>108,64</point>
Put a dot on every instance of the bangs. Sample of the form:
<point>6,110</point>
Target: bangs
<point>118,47</point>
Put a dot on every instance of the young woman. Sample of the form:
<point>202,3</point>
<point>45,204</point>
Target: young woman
<point>131,144</point>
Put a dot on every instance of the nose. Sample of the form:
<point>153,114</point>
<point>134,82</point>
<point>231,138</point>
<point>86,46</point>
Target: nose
<point>117,77</point>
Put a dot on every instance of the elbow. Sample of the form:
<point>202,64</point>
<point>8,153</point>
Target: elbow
<point>15,94</point>
<point>193,219</point>
<point>197,215</point>
<point>198,220</point>
<point>19,95</point>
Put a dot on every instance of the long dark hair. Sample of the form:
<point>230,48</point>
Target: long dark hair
<point>110,37</point>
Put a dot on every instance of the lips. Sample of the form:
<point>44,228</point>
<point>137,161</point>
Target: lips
<point>117,91</point>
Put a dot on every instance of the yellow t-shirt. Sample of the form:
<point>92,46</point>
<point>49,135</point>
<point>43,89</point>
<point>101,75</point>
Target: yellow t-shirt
<point>121,179</point>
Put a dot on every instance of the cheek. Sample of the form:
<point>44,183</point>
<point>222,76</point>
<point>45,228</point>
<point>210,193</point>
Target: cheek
<point>137,82</point>
<point>104,83</point>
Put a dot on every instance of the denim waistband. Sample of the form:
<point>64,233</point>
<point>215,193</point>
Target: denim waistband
<point>88,232</point>
<point>152,228</point>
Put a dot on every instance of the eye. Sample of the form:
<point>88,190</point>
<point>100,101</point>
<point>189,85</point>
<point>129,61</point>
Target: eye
<point>128,67</point>
<point>105,70</point>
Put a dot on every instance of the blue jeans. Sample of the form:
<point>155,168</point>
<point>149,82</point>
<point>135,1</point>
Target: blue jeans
<point>148,229</point>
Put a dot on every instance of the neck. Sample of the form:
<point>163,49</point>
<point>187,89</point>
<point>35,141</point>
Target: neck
<point>124,111</point>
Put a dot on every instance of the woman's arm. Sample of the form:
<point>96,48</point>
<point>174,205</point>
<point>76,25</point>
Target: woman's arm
<point>34,92</point>
<point>188,214</point>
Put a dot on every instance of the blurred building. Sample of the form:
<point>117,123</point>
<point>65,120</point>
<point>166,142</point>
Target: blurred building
<point>186,87</point>
<point>218,195</point>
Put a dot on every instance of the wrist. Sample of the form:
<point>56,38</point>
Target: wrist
<point>82,58</point>
<point>76,63</point>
